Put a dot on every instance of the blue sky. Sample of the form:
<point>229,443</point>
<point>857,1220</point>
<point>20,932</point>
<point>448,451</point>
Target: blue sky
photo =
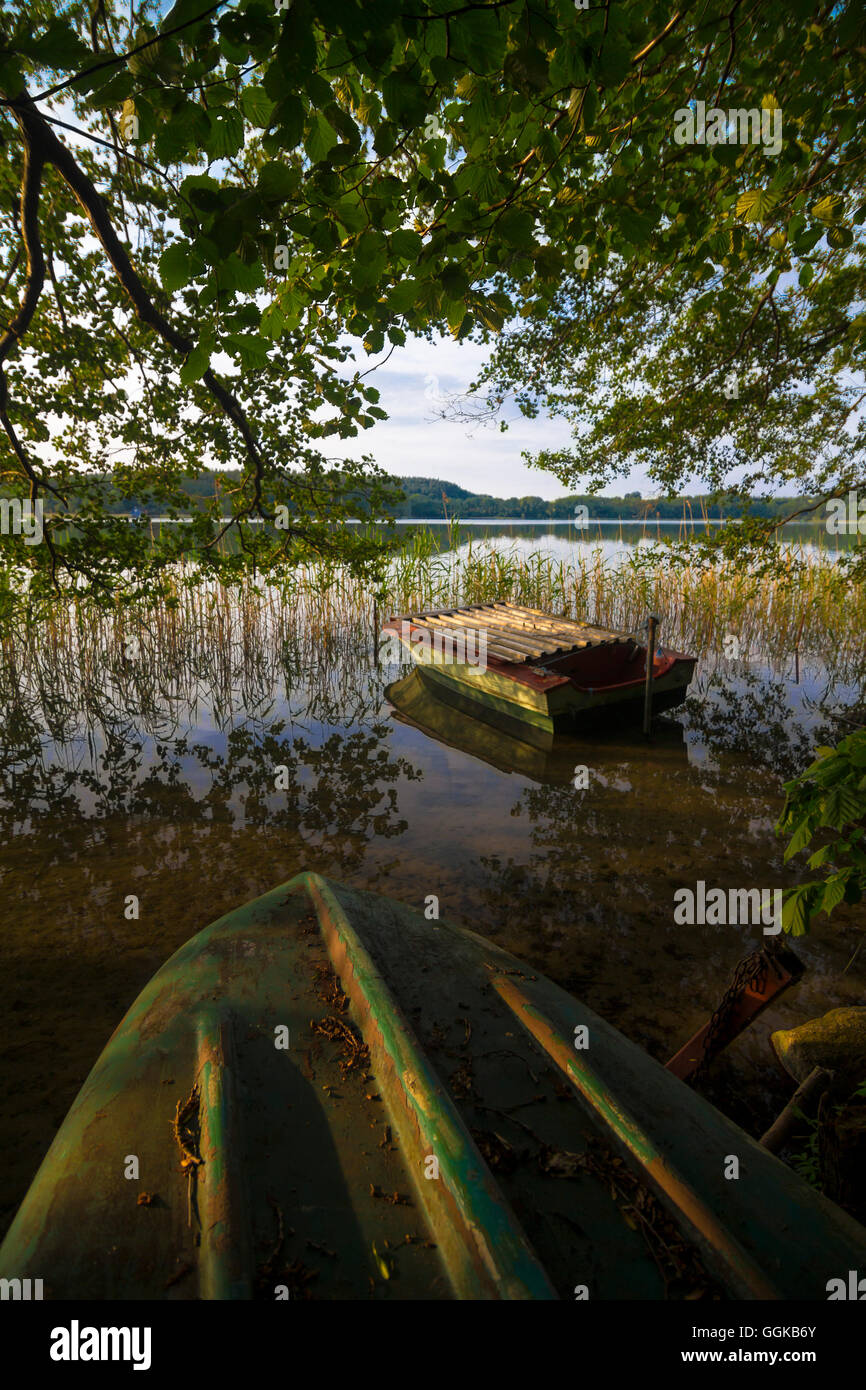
<point>413,441</point>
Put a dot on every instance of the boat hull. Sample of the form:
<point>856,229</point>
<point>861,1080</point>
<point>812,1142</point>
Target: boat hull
<point>512,746</point>
<point>554,706</point>
<point>385,1106</point>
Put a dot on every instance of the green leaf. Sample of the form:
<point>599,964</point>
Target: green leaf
<point>455,312</point>
<point>829,209</point>
<point>807,239</point>
<point>478,41</point>
<point>834,890</point>
<point>842,806</point>
<point>256,105</point>
<point>795,913</point>
<point>318,89</point>
<point>635,228</point>
<point>405,99</point>
<point>250,347</point>
<point>482,180</point>
<point>227,134</point>
<point>799,840</point>
<point>11,78</point>
<point>566,68</point>
<point>489,316</point>
<point>350,212</point>
<point>174,267</point>
<point>273,322</point>
<point>406,244</point>
<point>183,12</point>
<point>195,365</point>
<point>320,139</point>
<point>325,235</point>
<point>756,205</point>
<point>235,274</point>
<point>288,117</point>
<point>277,182</point>
<point>840,236</point>
<point>403,296</point>
<point>614,61</point>
<point>58,46</point>
<point>820,857</point>
<point>518,228</point>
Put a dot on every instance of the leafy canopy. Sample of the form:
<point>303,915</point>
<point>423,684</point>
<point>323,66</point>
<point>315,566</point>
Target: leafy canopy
<point>202,215</point>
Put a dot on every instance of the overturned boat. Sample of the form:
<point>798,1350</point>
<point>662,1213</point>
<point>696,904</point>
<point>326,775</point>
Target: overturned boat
<point>327,1095</point>
<point>552,673</point>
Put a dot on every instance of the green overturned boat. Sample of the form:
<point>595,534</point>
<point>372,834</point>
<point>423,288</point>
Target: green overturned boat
<point>327,1095</point>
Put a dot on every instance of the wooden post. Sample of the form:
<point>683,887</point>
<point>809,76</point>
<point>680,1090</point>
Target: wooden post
<point>782,1128</point>
<point>652,624</point>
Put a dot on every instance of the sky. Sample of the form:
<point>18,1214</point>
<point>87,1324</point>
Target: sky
<point>415,442</point>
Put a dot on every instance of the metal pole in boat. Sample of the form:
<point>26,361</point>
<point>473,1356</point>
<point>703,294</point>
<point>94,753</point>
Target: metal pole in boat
<point>651,626</point>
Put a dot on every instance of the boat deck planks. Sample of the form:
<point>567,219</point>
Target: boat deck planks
<point>520,633</point>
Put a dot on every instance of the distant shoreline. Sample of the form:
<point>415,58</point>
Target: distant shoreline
<point>561,521</point>
<point>589,525</point>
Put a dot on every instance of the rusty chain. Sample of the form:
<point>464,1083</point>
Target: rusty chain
<point>751,970</point>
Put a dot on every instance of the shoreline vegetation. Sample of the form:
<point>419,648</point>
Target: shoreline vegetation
<point>232,637</point>
<point>429,499</point>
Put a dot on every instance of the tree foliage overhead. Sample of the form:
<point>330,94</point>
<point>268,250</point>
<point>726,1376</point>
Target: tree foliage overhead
<point>203,213</point>
<point>716,329</point>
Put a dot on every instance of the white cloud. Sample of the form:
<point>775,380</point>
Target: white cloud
<point>414,442</point>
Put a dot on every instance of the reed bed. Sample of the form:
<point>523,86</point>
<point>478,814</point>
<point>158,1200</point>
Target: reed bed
<point>234,652</point>
<point>807,607</point>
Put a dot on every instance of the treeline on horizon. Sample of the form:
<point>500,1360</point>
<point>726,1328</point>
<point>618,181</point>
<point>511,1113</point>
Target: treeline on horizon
<point>435,499</point>
<point>430,498</point>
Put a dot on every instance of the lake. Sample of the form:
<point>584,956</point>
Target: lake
<point>195,781</point>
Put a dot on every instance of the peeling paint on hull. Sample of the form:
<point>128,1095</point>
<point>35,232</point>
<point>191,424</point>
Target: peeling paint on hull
<point>317,1179</point>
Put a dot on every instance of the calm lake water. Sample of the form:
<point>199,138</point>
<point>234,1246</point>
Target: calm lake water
<point>183,812</point>
<point>564,540</point>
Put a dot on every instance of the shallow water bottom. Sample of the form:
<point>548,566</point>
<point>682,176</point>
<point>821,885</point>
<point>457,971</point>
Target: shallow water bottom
<point>580,883</point>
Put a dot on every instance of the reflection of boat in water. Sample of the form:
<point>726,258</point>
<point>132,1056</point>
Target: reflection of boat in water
<point>549,672</point>
<point>330,1096</point>
<point>512,746</point>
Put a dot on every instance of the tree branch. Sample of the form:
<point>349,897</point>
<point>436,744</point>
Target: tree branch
<point>31,187</point>
<point>43,147</point>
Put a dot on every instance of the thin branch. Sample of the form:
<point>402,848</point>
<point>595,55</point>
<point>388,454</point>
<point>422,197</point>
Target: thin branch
<point>120,59</point>
<point>40,138</point>
<point>660,38</point>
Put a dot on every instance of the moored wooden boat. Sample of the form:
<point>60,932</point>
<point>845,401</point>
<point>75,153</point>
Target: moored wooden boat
<point>551,673</point>
<point>513,746</point>
<point>324,1094</point>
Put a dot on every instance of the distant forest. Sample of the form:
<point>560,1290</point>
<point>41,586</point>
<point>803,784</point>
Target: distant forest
<point>432,498</point>
<point>435,499</point>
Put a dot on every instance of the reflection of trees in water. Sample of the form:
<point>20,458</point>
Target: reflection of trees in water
<point>80,749</point>
<point>583,857</point>
<point>637,816</point>
<point>591,903</point>
<point>335,795</point>
<point>753,715</point>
